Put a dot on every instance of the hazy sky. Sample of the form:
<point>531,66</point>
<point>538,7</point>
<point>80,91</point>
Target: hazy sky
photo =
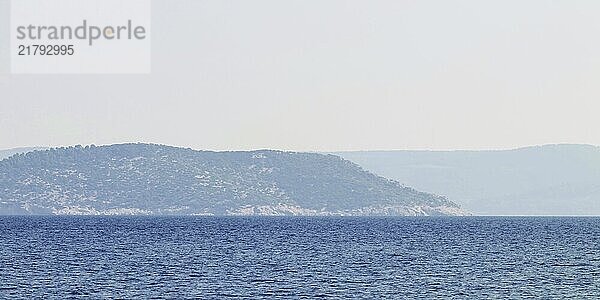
<point>327,75</point>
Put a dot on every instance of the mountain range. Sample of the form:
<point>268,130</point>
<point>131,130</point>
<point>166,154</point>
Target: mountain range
<point>150,179</point>
<point>542,180</point>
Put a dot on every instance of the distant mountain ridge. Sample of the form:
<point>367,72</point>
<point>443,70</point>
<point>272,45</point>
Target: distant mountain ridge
<point>559,179</point>
<point>10,152</point>
<point>149,179</point>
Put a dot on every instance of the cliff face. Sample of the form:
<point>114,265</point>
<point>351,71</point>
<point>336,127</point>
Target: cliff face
<point>157,180</point>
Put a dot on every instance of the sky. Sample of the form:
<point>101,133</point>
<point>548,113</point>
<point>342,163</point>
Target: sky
<point>331,75</point>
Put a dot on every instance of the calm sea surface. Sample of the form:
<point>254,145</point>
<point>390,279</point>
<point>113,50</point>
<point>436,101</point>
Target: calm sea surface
<point>395,258</point>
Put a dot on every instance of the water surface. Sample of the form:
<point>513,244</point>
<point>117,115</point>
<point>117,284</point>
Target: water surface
<point>235,257</point>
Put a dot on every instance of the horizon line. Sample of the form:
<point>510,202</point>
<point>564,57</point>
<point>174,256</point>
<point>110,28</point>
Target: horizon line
<point>317,151</point>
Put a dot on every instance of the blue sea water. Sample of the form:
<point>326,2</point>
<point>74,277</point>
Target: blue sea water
<point>297,257</point>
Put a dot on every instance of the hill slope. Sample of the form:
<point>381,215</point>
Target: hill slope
<point>155,179</point>
<point>543,180</point>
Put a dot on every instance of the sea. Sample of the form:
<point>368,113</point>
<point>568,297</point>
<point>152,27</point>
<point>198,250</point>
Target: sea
<point>50,257</point>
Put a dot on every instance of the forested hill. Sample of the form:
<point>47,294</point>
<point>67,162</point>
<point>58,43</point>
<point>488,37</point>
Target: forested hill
<point>156,179</point>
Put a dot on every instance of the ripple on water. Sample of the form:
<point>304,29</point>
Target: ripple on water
<point>186,257</point>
